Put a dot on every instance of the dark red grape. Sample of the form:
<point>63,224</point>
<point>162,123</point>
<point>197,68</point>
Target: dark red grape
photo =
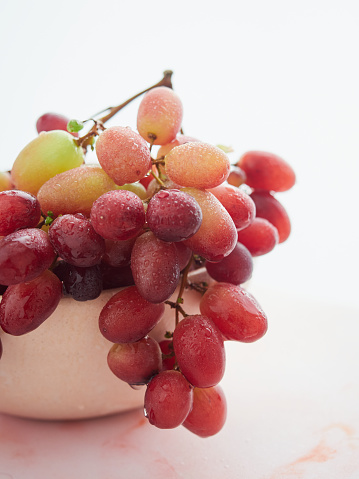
<point>25,306</point>
<point>168,399</point>
<point>271,209</point>
<point>235,312</point>
<point>155,267</point>
<point>52,121</point>
<point>199,350</point>
<point>208,413</point>
<point>167,350</point>
<point>18,210</point>
<point>24,255</point>
<point>113,277</point>
<point>75,240</point>
<point>128,317</point>
<point>118,215</point>
<point>135,363</point>
<point>266,171</point>
<point>173,215</point>
<point>260,237</point>
<point>236,268</point>
<point>83,284</point>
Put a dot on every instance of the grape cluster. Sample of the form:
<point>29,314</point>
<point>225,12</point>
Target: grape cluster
<point>143,224</point>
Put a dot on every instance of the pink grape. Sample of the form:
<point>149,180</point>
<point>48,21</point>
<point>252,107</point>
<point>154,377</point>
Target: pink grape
<point>18,210</point>
<point>217,236</point>
<point>236,177</point>
<point>135,363</point>
<point>235,312</point>
<point>179,140</point>
<point>260,237</point>
<point>168,400</point>
<point>197,165</point>
<point>52,121</point>
<point>155,267</point>
<point>239,205</point>
<point>159,116</point>
<point>24,255</point>
<point>123,154</point>
<point>266,171</point>
<point>75,240</point>
<point>25,306</point>
<point>127,317</point>
<point>209,412</point>
<point>173,215</point>
<point>271,209</point>
<point>199,350</point>
<point>236,268</point>
<point>118,215</point>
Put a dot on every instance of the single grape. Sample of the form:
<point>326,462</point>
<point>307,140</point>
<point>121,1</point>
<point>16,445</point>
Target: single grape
<point>136,188</point>
<point>179,140</point>
<point>155,267</point>
<point>116,277</point>
<point>199,350</point>
<point>47,155</point>
<point>167,350</point>
<point>146,180</point>
<point>128,317</point>
<point>236,177</point>
<point>118,215</point>
<point>123,154</point>
<point>24,255</point>
<point>260,237</point>
<point>18,210</point>
<point>266,171</point>
<point>235,312</point>
<point>5,181</point>
<point>236,268</point>
<point>52,121</point>
<point>239,205</point>
<point>272,210</point>
<point>173,215</point>
<point>75,240</point>
<point>135,363</point>
<point>217,236</point>
<point>198,165</point>
<point>159,116</point>
<point>83,284</point>
<point>74,191</point>
<point>168,400</point>
<point>25,306</point>
<point>209,412</point>
<point>118,253</point>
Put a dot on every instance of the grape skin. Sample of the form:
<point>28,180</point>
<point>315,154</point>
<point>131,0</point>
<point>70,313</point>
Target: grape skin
<point>236,268</point>
<point>168,400</point>
<point>260,237</point>
<point>199,350</point>
<point>24,255</point>
<point>18,210</point>
<point>25,306</point>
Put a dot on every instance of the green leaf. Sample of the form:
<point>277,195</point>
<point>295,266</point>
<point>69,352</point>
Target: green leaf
<point>74,126</point>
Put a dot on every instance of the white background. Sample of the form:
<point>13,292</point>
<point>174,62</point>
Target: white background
<point>280,76</point>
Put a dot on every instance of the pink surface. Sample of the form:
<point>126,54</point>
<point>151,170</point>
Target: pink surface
<point>292,413</point>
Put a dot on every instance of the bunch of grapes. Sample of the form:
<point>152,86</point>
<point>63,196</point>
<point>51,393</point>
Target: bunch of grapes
<point>143,224</point>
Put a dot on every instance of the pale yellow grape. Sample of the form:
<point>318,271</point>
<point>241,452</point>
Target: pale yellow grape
<point>136,188</point>
<point>74,191</point>
<point>49,154</point>
<point>197,165</point>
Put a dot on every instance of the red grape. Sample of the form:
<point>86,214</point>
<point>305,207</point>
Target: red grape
<point>26,305</point>
<point>184,255</point>
<point>118,253</point>
<point>267,171</point>
<point>18,210</point>
<point>167,349</point>
<point>271,209</point>
<point>236,268</point>
<point>75,240</point>
<point>199,350</point>
<point>260,237</point>
<point>173,215</point>
<point>118,215</point>
<point>159,116</point>
<point>208,413</point>
<point>168,399</point>
<point>52,121</point>
<point>113,277</point>
<point>155,267</point>
<point>239,205</point>
<point>135,363</point>
<point>235,312</point>
<point>128,317</point>
<point>24,255</point>
<point>236,177</point>
<point>123,154</point>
